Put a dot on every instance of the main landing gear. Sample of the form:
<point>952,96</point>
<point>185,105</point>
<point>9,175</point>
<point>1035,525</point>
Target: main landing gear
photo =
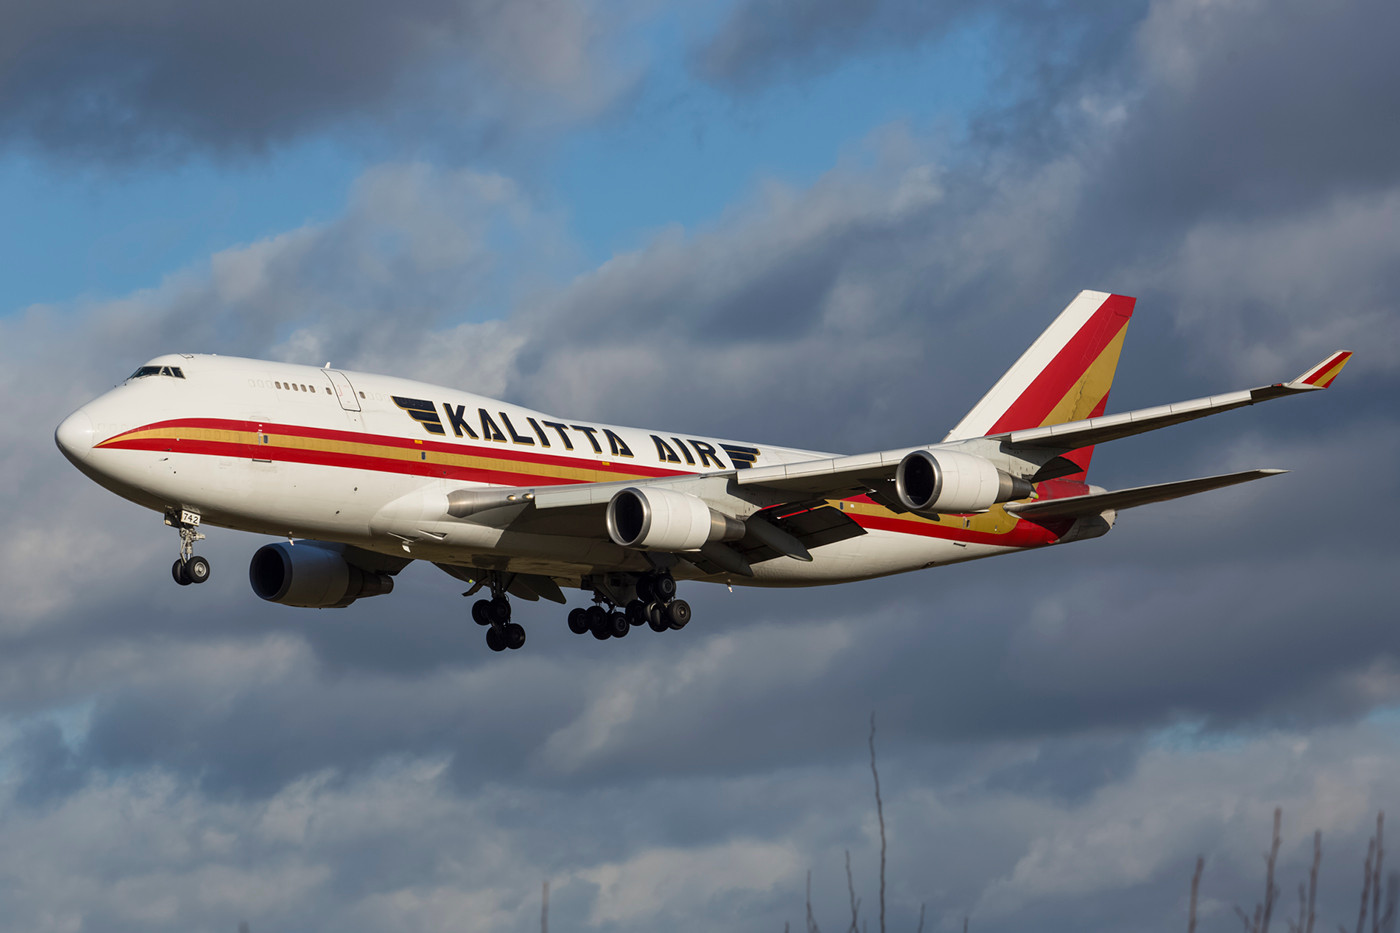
<point>655,605</point>
<point>501,632</point>
<point>189,568</point>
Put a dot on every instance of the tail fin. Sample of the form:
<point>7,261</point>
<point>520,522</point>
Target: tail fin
<point>1064,376</point>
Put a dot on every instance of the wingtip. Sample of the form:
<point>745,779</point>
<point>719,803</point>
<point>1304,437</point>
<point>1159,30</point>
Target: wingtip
<point>1322,375</point>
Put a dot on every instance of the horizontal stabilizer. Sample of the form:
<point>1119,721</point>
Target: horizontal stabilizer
<point>1095,503</point>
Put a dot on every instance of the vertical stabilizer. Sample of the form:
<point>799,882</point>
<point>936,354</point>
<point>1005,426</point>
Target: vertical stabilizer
<point>1064,376</point>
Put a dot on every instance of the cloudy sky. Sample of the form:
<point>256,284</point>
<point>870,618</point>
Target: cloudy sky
<point>814,222</point>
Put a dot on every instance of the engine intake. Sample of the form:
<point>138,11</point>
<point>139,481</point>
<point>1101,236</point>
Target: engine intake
<point>666,520</point>
<point>950,481</point>
<point>312,576</point>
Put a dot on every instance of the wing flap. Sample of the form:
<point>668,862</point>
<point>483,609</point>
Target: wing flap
<point>1096,503</point>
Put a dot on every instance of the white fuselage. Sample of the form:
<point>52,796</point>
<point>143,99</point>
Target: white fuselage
<point>368,460</point>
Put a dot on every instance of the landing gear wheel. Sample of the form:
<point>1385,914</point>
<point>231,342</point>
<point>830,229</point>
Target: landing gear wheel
<point>197,569</point>
<point>495,640</point>
<point>618,626</point>
<point>177,570</point>
<point>500,610</point>
<point>636,612</point>
<point>678,614</point>
<point>663,587</point>
<point>656,617</point>
<point>481,612</point>
<point>514,635</point>
<point>644,592</point>
<point>597,622</point>
<point>578,621</point>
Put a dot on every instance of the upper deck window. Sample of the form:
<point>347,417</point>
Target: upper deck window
<point>143,371</point>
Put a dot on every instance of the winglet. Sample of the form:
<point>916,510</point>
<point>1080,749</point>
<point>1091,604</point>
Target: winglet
<point>1321,375</point>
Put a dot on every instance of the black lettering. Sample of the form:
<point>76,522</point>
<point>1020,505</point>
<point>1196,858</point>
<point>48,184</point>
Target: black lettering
<point>458,420</point>
<point>539,432</point>
<point>742,457</point>
<point>563,434</point>
<point>618,445</point>
<point>592,436</point>
<point>515,436</point>
<point>664,453</point>
<point>706,453</point>
<point>685,451</point>
<point>422,411</point>
<point>489,429</point>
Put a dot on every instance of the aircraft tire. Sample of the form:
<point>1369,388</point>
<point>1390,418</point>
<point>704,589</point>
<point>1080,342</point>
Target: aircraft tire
<point>644,589</point>
<point>636,612</point>
<point>578,621</point>
<point>500,610</point>
<point>481,612</point>
<point>663,587</point>
<point>514,636</point>
<point>495,640</point>
<point>656,617</point>
<point>678,614</point>
<point>197,569</point>
<point>598,622</point>
<point>618,626</point>
<point>177,570</point>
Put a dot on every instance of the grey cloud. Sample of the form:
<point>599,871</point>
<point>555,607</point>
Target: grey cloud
<point>1252,109</point>
<point>761,38</point>
<point>142,77</point>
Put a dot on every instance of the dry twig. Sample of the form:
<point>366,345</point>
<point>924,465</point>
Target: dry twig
<point>880,814</point>
<point>1195,889</point>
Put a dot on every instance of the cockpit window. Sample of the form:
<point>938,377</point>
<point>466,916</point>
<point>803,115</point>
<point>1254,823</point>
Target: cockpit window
<point>143,371</point>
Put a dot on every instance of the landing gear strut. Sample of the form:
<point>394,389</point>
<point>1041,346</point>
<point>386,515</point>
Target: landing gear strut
<point>189,568</point>
<point>501,632</point>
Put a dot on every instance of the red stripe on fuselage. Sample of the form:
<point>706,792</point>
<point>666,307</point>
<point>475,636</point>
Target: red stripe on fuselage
<point>276,452</point>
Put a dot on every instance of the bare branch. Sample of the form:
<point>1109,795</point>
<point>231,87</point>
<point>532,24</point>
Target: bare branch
<point>1269,889</point>
<point>1195,888</point>
<point>1307,920</point>
<point>1365,886</point>
<point>811,920</point>
<point>851,889</point>
<point>1376,872</point>
<point>921,918</point>
<point>880,814</point>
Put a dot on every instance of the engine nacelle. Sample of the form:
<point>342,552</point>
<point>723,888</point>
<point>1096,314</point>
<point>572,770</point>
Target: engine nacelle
<point>312,577</point>
<point>950,481</point>
<point>666,520</point>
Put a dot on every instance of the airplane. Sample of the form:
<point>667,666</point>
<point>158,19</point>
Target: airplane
<point>363,474</point>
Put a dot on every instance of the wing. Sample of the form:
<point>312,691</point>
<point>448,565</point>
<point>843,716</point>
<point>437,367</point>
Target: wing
<point>1030,453</point>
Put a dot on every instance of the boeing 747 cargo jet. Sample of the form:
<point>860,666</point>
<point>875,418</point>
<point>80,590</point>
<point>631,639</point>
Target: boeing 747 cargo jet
<point>362,474</point>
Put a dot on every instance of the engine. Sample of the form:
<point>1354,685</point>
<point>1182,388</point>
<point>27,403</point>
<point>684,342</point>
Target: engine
<point>666,520</point>
<point>312,576</point>
<point>950,481</point>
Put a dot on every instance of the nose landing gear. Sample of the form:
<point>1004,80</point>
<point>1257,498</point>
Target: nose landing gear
<point>189,568</point>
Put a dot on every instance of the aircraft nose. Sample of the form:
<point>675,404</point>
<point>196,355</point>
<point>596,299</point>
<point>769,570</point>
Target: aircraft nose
<point>74,436</point>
